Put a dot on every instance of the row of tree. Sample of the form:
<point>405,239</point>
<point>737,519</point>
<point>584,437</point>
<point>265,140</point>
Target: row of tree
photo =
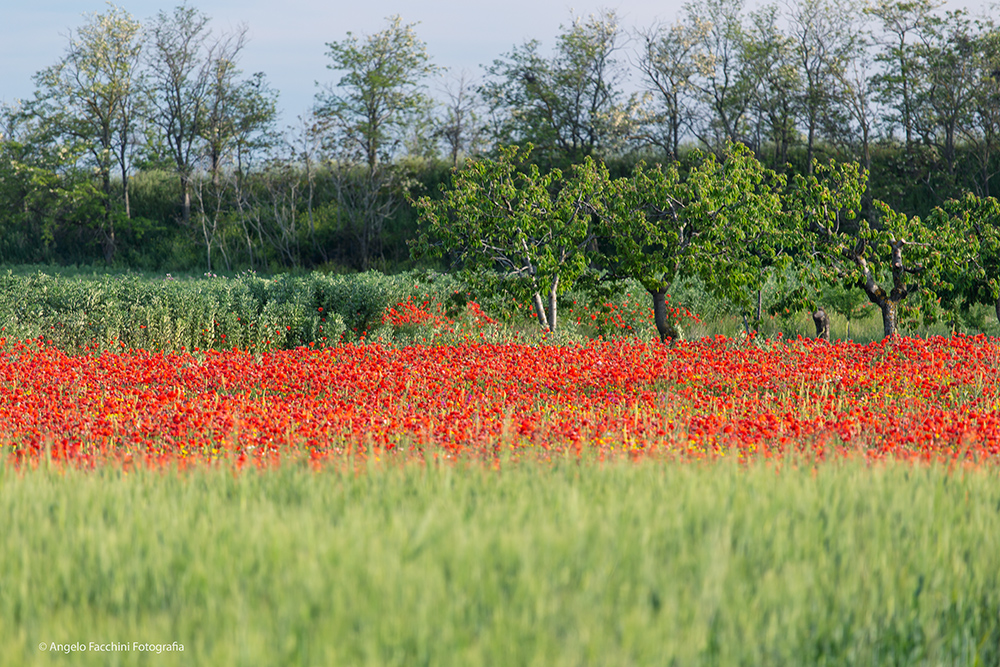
<point>909,92</point>
<point>729,221</point>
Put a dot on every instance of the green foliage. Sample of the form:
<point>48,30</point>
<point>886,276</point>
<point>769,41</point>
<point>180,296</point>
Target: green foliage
<point>721,223</point>
<point>247,312</point>
<point>513,229</point>
<point>900,264</point>
<point>569,106</point>
<point>571,563</point>
<point>974,274</point>
<point>849,303</point>
<point>379,92</point>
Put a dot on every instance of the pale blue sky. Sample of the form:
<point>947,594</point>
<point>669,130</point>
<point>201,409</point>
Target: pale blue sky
<point>288,37</point>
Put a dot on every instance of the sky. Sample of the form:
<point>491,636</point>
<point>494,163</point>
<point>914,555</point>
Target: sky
<point>287,38</point>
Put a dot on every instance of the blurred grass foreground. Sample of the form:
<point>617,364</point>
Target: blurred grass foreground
<point>570,563</point>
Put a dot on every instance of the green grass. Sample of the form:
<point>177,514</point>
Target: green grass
<point>568,564</point>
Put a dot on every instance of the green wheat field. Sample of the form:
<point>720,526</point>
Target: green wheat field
<point>572,563</point>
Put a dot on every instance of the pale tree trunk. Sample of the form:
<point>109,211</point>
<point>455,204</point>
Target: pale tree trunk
<point>185,199</point>
<point>540,311</point>
<point>553,293</point>
<point>547,312</point>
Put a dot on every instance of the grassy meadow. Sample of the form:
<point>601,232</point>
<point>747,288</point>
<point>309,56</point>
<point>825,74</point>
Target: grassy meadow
<point>574,562</point>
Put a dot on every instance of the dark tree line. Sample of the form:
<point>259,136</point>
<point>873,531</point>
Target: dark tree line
<point>146,144</point>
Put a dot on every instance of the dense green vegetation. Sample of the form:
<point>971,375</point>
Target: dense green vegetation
<point>146,146</point>
<point>79,311</point>
<point>564,563</point>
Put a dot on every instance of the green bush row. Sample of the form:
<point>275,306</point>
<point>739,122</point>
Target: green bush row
<point>80,311</point>
<point>247,311</point>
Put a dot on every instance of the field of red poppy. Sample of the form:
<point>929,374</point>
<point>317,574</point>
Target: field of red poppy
<point>479,503</point>
<point>484,497</point>
<point>913,399</point>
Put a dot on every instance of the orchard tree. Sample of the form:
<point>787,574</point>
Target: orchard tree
<point>722,223</point>
<point>509,227</point>
<point>900,264</point>
<point>975,278</point>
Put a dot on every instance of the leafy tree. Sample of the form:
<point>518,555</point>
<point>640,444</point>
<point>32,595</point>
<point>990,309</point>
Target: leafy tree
<point>202,113</point>
<point>721,223</point>
<point>365,118</point>
<point>88,99</point>
<point>379,94</point>
<point>239,116</point>
<point>948,64</point>
<point>975,221</point>
<point>179,85</point>
<point>855,90</point>
<point>568,106</point>
<point>460,127</point>
<point>824,39</point>
<point>235,128</point>
<point>669,59</point>
<point>983,129</point>
<point>509,227</point>
<point>768,54</point>
<point>900,81</point>
<point>899,263</point>
<point>45,193</point>
<point>725,90</point>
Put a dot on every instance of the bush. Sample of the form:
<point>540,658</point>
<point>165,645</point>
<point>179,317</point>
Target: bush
<point>111,312</point>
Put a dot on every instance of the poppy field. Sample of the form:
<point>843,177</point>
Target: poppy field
<point>924,400</point>
<point>432,489</point>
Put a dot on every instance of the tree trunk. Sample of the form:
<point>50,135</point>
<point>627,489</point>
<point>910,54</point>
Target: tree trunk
<point>822,322</point>
<point>540,311</point>
<point>664,326</point>
<point>553,293</point>
<point>185,200</point>
<point>890,316</point>
<point>108,244</point>
<point>888,303</point>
